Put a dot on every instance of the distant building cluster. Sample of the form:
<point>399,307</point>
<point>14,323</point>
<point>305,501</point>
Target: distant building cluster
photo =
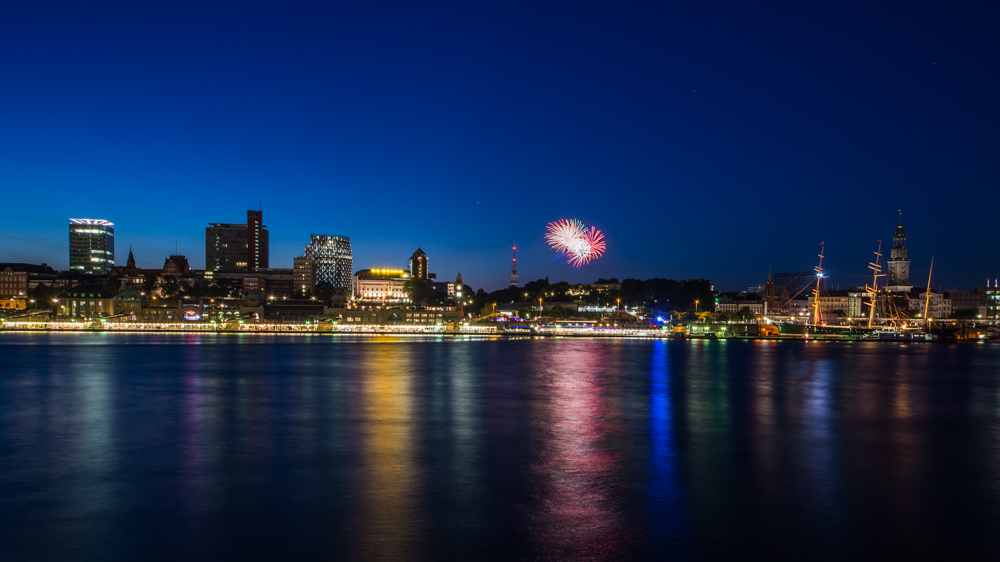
<point>238,283</point>
<point>797,295</point>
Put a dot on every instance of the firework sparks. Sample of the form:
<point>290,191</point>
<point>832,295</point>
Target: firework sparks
<point>576,244</point>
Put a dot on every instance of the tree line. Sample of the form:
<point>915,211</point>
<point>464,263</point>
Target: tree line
<point>658,295</point>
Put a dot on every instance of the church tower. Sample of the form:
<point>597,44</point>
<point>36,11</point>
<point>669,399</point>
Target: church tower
<point>899,266</point>
<point>769,296</point>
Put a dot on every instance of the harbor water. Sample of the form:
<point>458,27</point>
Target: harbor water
<point>226,446</point>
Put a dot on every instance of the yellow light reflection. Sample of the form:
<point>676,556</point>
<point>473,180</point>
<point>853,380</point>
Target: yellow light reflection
<point>389,479</point>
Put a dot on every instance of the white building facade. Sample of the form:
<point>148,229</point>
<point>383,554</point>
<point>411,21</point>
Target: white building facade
<point>382,285</point>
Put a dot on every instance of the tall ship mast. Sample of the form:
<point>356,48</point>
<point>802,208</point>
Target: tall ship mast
<point>882,307</point>
<point>819,281</point>
<point>927,303</point>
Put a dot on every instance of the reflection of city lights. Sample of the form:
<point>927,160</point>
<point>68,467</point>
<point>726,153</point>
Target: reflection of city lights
<point>390,478</point>
<point>576,517</point>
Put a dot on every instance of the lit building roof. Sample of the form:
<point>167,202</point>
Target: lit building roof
<point>93,222</point>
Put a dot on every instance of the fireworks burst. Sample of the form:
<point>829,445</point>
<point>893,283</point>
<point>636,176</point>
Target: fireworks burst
<point>576,244</point>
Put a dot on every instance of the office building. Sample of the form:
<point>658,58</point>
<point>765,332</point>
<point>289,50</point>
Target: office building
<point>418,265</point>
<point>272,282</point>
<point>333,259</point>
<point>91,246</point>
<point>304,275</point>
<point>237,247</point>
<point>226,247</point>
<point>257,242</point>
<point>992,307</point>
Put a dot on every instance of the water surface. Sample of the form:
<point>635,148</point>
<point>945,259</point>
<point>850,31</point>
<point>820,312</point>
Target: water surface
<point>203,447</point>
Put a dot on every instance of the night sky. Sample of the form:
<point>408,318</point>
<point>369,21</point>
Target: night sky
<point>705,141</point>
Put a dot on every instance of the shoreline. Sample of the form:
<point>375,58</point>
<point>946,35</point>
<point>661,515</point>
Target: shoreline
<point>465,333</point>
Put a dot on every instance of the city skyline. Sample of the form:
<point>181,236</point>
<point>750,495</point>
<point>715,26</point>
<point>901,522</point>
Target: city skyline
<point>709,142</point>
<point>832,281</point>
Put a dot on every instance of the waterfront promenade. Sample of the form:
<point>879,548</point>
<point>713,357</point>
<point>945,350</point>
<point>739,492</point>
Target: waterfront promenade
<point>203,327</point>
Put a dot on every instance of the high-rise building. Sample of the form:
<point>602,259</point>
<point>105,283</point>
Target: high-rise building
<point>418,265</point>
<point>304,275</point>
<point>333,258</point>
<point>237,247</point>
<point>226,247</point>
<point>91,246</point>
<point>992,307</point>
<point>899,266</point>
<point>257,250</point>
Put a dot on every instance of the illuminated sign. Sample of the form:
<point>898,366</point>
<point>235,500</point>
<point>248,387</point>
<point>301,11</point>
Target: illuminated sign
<point>396,273</point>
<point>192,315</point>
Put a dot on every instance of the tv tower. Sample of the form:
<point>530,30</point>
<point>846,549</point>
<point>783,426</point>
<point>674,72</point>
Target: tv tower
<point>513,268</point>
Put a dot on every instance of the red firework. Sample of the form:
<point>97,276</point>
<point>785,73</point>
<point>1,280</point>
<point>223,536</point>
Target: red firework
<point>574,242</point>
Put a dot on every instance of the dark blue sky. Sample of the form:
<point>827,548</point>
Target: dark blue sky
<point>705,141</point>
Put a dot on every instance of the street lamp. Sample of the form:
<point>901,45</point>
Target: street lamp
<point>696,301</point>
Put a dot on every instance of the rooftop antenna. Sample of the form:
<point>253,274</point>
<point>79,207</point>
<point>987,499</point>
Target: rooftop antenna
<point>513,268</point>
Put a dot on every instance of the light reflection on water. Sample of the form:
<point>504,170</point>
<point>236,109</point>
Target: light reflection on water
<point>389,482</point>
<point>575,515</point>
<point>120,447</point>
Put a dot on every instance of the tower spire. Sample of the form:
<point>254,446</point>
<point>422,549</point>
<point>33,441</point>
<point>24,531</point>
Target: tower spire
<point>513,268</point>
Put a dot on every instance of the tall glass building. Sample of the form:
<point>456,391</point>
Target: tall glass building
<point>333,258</point>
<point>91,246</point>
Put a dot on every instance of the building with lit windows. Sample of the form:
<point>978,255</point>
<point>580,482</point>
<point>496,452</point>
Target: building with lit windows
<point>257,241</point>
<point>992,307</point>
<point>449,290</point>
<point>832,302</point>
<point>237,247</point>
<point>272,282</point>
<point>333,259</point>
<point>91,246</point>
<point>381,285</point>
<point>17,278</point>
<point>938,306</point>
<point>86,301</point>
<point>418,265</point>
<point>304,272</point>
